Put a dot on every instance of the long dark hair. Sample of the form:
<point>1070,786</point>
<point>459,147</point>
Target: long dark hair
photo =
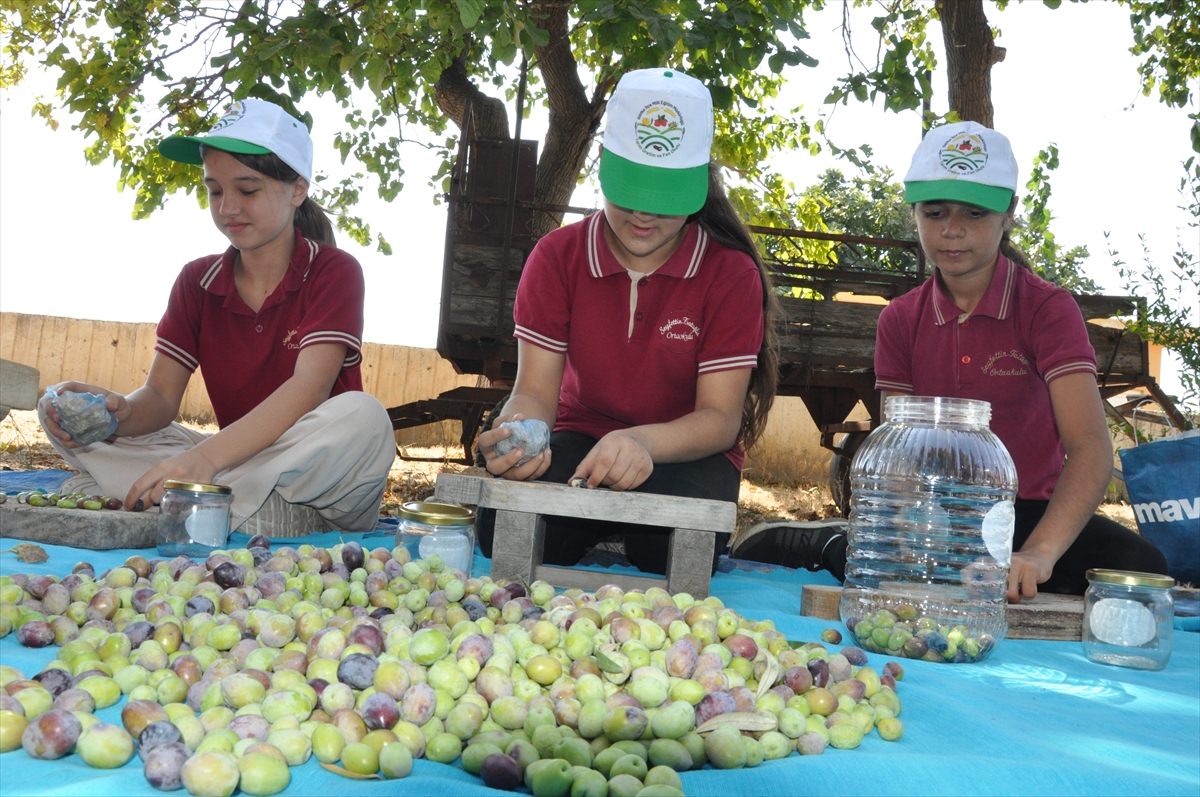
<point>721,221</point>
<point>311,218</point>
<point>1010,249</point>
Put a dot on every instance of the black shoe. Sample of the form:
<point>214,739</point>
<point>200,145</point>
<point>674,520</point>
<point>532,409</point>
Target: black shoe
<point>790,543</point>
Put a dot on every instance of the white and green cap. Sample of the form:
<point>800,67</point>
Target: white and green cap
<point>657,142</point>
<point>249,127</point>
<point>963,162</point>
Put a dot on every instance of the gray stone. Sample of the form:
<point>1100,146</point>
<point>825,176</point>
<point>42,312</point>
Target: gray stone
<point>99,530</point>
<point>531,435</point>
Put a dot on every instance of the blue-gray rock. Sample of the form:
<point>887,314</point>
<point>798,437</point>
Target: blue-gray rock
<point>84,416</point>
<point>532,435</point>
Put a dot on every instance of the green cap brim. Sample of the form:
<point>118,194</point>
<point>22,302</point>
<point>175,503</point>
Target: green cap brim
<point>653,189</point>
<point>186,149</point>
<point>985,196</point>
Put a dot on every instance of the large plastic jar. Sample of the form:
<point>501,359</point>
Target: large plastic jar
<point>930,536</point>
<point>1127,618</point>
<point>195,518</point>
<point>448,530</point>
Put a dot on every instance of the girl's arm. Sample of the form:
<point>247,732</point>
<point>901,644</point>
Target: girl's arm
<point>534,395</point>
<point>624,459</point>
<point>1079,415</point>
<point>317,368</point>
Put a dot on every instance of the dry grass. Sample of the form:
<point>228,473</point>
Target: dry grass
<point>23,446</point>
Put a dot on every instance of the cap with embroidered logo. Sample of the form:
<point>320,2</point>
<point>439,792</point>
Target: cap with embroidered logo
<point>249,127</point>
<point>963,162</point>
<point>657,142</point>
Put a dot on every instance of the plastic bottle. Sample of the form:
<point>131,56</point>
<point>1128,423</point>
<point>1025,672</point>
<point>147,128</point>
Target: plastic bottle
<point>930,538</point>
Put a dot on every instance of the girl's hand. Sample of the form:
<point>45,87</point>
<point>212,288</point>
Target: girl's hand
<point>190,466</point>
<point>506,466</point>
<point>620,461</point>
<point>114,402</point>
<point>1028,569</point>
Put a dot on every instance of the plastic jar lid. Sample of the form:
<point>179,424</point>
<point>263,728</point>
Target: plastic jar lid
<point>1130,578</point>
<point>434,514</point>
<point>197,487</point>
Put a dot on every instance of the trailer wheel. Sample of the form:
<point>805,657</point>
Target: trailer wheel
<point>839,470</point>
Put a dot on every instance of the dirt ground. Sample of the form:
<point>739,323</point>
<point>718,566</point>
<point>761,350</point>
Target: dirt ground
<point>23,446</point>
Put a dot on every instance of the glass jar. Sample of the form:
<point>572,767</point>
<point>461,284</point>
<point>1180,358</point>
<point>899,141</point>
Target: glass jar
<point>930,537</point>
<point>195,518</point>
<point>1127,618</point>
<point>428,528</point>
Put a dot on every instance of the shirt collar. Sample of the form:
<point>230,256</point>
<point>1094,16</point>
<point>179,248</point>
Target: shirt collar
<point>218,277</point>
<point>684,262</point>
<point>997,299</point>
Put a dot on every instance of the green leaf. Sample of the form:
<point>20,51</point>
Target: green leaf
<point>469,12</point>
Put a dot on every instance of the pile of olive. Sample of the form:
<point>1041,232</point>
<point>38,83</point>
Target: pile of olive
<point>40,497</point>
<point>236,668</point>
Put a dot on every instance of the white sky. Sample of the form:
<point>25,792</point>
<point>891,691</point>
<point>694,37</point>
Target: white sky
<point>68,245</point>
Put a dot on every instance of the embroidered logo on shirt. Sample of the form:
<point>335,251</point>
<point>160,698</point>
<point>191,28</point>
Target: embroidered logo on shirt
<point>964,154</point>
<point>659,129</point>
<point>287,340</point>
<point>236,111</point>
<point>1007,363</point>
<point>679,332</point>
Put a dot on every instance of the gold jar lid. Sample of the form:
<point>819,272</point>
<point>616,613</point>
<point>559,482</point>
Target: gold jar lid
<point>435,514</point>
<point>197,487</point>
<point>1130,578</point>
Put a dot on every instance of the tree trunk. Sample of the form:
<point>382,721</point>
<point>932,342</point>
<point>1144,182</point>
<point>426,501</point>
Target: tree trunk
<point>970,53</point>
<point>452,91</point>
<point>574,118</point>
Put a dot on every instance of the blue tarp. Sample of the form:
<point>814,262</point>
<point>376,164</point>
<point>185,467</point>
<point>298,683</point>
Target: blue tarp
<point>1035,718</point>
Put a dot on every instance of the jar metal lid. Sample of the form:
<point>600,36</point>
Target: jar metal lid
<point>1130,578</point>
<point>197,487</point>
<point>435,514</point>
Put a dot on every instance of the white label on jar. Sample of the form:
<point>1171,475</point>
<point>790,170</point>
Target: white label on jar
<point>1119,621</point>
<point>208,525</point>
<point>998,526</point>
<point>454,548</point>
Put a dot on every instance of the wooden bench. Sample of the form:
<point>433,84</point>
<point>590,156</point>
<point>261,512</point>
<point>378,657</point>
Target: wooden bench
<point>520,529</point>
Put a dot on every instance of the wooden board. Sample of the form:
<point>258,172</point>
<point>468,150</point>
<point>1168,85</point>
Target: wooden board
<point>1045,617</point>
<point>79,528</point>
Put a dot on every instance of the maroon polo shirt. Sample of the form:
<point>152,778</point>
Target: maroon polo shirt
<point>700,312</point>
<point>246,356</point>
<point>1024,334</point>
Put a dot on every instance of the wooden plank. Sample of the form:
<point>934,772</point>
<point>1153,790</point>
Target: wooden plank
<point>517,545</point>
<point>1047,616</point>
<point>19,385</point>
<point>78,528</point>
<point>592,580</point>
<point>102,357</point>
<point>8,336</point>
<point>689,562</point>
<point>77,350</point>
<point>557,499</point>
<point>50,350</point>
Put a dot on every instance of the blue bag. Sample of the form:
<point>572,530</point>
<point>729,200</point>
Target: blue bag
<point>1163,480</point>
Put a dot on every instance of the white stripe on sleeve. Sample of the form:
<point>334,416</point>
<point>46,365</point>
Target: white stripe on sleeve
<point>178,354</point>
<point>540,340</point>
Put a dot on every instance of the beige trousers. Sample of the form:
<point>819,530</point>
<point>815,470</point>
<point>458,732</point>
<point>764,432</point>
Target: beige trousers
<point>334,459</point>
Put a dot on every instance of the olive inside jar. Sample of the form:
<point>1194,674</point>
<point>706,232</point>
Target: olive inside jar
<point>931,528</point>
<point>195,518</point>
<point>1128,618</point>
<point>448,530</point>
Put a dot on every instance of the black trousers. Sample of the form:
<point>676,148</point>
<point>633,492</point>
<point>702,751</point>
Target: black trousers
<point>567,539</point>
<point>1102,544</point>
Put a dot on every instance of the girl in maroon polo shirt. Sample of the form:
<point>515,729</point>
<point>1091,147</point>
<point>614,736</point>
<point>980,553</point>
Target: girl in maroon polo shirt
<point>643,332</point>
<point>984,326</point>
<point>275,323</point>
